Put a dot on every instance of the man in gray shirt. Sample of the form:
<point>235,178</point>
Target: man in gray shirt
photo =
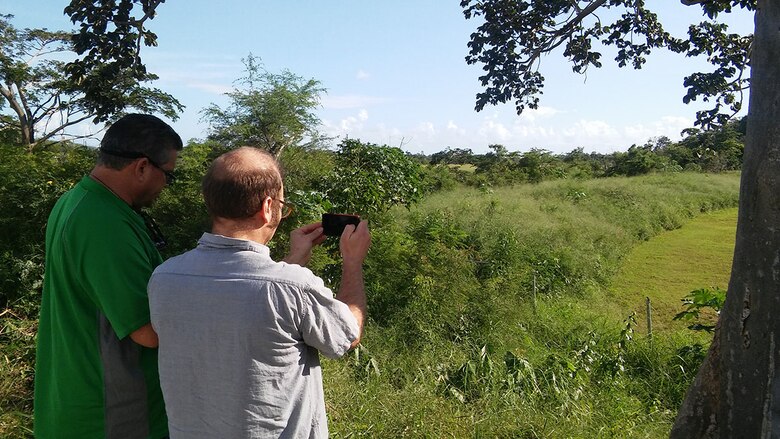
<point>239,333</point>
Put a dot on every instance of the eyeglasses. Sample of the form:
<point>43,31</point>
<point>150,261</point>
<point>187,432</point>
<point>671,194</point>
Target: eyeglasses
<point>287,208</point>
<point>170,177</point>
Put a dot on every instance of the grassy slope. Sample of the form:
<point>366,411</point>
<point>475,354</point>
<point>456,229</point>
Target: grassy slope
<point>575,235</point>
<point>669,266</point>
<point>577,231</point>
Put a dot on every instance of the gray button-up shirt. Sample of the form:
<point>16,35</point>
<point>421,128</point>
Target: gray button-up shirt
<point>239,341</point>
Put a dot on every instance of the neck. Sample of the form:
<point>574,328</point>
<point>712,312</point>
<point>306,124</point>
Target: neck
<point>113,181</point>
<point>246,231</point>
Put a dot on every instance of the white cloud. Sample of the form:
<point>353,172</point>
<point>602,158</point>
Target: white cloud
<point>426,129</point>
<point>669,126</point>
<point>347,125</point>
<point>591,129</point>
<point>491,128</point>
<point>357,127</point>
<point>212,78</point>
<point>545,129</point>
<point>539,113</point>
<point>362,75</point>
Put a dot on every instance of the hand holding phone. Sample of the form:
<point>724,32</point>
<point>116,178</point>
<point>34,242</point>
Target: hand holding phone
<point>354,246</point>
<point>333,223</point>
<point>302,240</point>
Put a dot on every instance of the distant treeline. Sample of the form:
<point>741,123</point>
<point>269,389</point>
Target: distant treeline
<point>702,151</point>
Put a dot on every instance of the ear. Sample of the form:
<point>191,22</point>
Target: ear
<point>141,169</point>
<point>266,211</point>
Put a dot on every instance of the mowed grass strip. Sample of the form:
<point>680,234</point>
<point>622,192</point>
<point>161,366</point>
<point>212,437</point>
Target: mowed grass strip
<point>670,265</point>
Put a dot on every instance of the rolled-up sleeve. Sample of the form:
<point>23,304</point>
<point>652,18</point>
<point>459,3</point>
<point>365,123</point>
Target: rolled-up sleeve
<point>327,324</point>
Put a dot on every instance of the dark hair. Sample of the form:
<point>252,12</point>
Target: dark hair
<point>235,187</point>
<point>138,133</point>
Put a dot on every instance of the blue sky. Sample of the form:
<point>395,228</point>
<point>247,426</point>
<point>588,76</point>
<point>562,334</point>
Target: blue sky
<point>395,72</point>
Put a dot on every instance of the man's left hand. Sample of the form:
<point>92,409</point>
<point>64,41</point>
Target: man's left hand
<point>302,240</point>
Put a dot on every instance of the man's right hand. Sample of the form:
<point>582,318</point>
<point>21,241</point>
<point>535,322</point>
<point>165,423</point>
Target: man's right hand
<point>354,243</point>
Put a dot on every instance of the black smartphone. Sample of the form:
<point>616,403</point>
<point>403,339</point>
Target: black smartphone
<point>333,223</point>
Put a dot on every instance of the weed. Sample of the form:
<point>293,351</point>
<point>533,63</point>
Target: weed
<point>698,300</point>
<point>17,359</point>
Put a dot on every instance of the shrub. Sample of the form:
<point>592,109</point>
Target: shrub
<point>30,184</point>
<point>370,179</point>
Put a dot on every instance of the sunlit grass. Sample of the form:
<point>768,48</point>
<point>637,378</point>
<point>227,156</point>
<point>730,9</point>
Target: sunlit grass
<point>572,238</point>
<point>671,265</point>
<point>451,293</point>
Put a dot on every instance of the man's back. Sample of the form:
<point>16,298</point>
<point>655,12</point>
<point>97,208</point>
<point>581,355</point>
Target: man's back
<point>239,335</point>
<point>91,379</point>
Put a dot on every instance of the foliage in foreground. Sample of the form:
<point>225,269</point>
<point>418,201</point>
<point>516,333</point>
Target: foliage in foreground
<point>459,340</point>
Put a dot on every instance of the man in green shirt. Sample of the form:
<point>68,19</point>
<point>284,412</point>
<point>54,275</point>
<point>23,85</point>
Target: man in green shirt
<point>96,365</point>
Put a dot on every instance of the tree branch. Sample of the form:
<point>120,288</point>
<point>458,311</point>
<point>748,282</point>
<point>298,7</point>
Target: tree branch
<point>57,130</point>
<point>138,23</point>
<point>8,94</point>
<point>558,37</point>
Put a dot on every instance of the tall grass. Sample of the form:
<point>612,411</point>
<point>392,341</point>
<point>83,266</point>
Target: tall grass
<point>487,318</point>
<point>17,356</point>
<point>488,315</point>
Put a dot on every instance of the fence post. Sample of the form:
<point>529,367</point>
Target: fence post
<point>649,319</point>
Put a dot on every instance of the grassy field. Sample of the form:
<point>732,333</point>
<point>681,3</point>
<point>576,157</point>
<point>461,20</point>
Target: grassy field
<point>506,312</point>
<point>505,322</point>
<point>669,266</point>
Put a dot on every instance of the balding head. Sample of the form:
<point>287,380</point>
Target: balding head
<point>238,181</point>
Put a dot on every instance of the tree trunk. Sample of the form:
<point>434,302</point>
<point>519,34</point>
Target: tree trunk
<point>736,393</point>
<point>18,105</point>
<point>28,134</point>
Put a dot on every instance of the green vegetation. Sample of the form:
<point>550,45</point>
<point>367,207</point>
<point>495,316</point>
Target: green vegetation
<point>459,343</point>
<point>272,111</point>
<point>459,340</point>
<point>498,305</point>
<point>709,299</point>
<point>498,308</point>
<point>675,263</point>
<point>490,305</point>
<point>717,150</point>
<point>39,89</point>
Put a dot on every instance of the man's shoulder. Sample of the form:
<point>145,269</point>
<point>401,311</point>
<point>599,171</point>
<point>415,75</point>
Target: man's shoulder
<point>297,275</point>
<point>197,261</point>
<point>93,208</point>
<point>81,216</point>
<point>174,263</point>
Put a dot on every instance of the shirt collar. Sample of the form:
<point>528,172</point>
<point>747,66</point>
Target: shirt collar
<point>211,240</point>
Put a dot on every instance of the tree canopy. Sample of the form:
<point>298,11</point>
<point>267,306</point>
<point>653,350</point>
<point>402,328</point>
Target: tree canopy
<point>109,66</point>
<point>270,111</point>
<point>514,35</point>
<point>46,102</point>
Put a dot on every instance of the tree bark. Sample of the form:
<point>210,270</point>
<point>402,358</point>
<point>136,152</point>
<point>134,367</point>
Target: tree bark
<point>736,393</point>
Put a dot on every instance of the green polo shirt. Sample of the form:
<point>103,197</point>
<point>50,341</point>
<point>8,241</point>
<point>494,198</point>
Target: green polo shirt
<point>91,379</point>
